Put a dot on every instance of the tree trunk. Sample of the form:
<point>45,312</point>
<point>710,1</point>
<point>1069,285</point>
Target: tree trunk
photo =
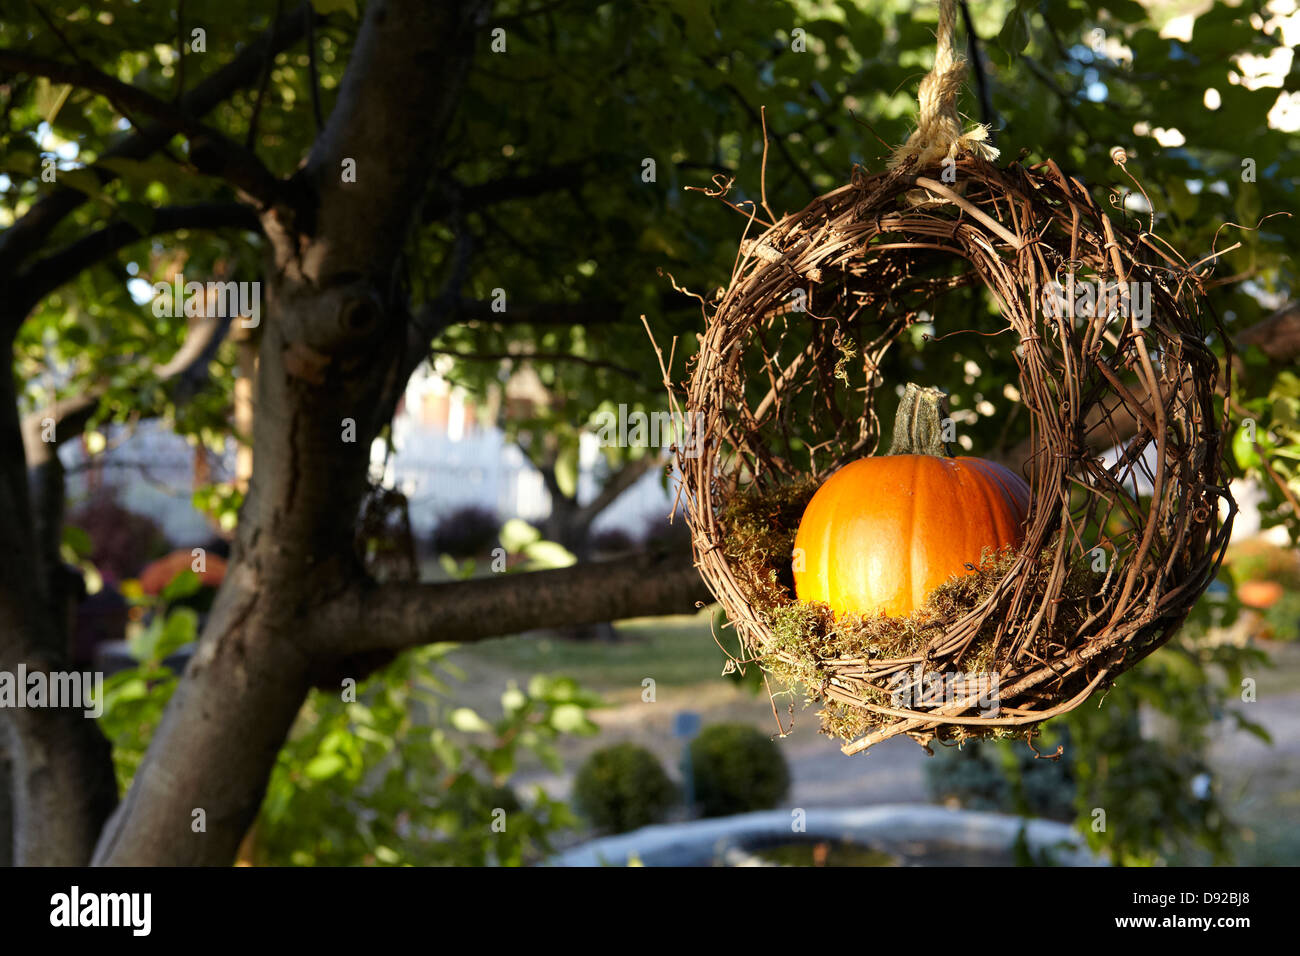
<point>332,353</point>
<point>60,766</point>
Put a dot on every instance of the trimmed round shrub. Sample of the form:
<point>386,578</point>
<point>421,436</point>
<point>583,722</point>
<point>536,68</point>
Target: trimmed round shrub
<point>737,768</point>
<point>1006,777</point>
<point>612,541</point>
<point>467,532</point>
<point>660,534</point>
<point>622,788</point>
<point>121,541</point>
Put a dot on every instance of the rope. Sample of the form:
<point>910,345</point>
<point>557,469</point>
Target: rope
<point>938,133</point>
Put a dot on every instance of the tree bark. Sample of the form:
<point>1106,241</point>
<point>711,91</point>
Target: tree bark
<point>402,615</point>
<point>60,766</point>
<point>333,342</point>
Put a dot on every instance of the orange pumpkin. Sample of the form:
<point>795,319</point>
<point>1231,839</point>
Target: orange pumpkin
<point>882,533</point>
<point>1259,594</point>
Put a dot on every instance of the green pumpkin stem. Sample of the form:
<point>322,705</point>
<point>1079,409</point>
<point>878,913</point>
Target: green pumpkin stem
<point>918,426</point>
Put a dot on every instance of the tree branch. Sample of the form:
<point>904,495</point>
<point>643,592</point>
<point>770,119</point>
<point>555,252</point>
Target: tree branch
<point>28,234</point>
<point>540,313</point>
<point>251,140</point>
<point>397,616</point>
<point>62,770</point>
<point>623,370</point>
<point>210,151</point>
<point>1278,336</point>
<point>390,116</point>
<point>45,275</point>
<point>505,188</point>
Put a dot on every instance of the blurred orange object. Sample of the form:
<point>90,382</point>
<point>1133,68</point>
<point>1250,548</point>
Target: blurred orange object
<point>1259,594</point>
<point>158,574</point>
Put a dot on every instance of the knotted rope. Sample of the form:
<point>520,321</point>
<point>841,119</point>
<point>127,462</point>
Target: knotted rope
<point>938,133</point>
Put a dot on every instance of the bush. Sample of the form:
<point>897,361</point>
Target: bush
<point>1006,777</point>
<point>737,768</point>
<point>467,532</point>
<point>622,788</point>
<point>663,535</point>
<point>613,541</point>
<point>121,541</point>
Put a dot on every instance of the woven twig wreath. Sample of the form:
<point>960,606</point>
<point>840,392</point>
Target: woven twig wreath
<point>783,391</point>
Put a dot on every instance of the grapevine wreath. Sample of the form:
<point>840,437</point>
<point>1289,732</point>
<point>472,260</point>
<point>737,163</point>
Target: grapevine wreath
<point>840,566</point>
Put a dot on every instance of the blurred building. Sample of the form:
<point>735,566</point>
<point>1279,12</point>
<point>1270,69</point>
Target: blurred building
<point>448,453</point>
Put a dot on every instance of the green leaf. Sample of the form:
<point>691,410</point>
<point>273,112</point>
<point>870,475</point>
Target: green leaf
<point>517,534</point>
<point>326,7</point>
<point>1014,35</point>
<point>571,719</point>
<point>180,628</point>
<point>81,179</point>
<point>324,766</point>
<point>549,554</point>
<point>513,700</point>
<point>1182,201</point>
<point>466,720</point>
<point>1243,450</point>
<point>182,586</point>
<point>1247,204</point>
<point>1127,10</point>
<point>50,98</point>
<point>78,540</point>
<point>566,470</point>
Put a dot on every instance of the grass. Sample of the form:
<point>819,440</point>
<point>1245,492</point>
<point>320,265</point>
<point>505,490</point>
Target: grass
<point>675,651</point>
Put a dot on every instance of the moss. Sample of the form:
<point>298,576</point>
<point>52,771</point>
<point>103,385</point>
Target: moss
<point>758,541</point>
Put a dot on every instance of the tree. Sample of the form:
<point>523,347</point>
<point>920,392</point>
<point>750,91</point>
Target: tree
<point>501,183</point>
<point>339,339</point>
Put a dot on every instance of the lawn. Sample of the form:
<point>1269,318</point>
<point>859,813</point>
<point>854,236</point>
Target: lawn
<point>675,651</point>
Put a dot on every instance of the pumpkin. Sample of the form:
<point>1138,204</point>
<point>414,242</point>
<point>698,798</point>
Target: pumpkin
<point>881,533</point>
<point>1260,595</point>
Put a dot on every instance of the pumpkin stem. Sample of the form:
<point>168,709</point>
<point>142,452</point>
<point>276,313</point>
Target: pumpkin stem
<point>918,426</point>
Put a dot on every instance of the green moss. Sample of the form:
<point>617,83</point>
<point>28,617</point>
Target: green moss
<point>758,540</point>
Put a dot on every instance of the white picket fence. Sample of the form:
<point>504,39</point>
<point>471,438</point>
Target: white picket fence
<point>151,471</point>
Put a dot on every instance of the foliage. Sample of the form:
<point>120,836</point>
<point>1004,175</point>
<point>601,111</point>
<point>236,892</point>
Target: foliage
<point>1068,79</point>
<point>1141,789</point>
<point>1259,561</point>
<point>737,768</point>
<point>134,698</point>
<point>1266,444</point>
<point>400,775</point>
<point>1007,777</point>
<point>403,776</point>
<point>623,787</point>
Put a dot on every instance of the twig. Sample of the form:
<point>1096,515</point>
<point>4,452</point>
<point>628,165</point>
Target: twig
<point>180,50</point>
<point>313,78</point>
<point>981,78</point>
<point>540,357</point>
<point>266,79</point>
